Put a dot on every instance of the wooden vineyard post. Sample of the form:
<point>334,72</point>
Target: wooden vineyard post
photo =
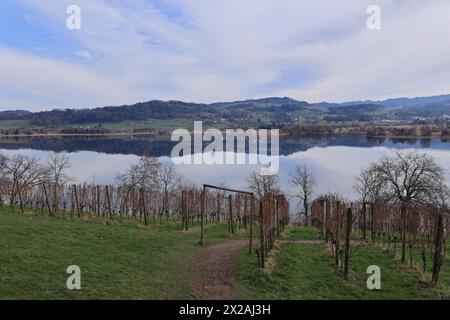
<point>364,220</point>
<point>186,212</point>
<point>348,230</point>
<point>205,215</point>
<point>183,213</point>
<point>140,205</point>
<point>327,214</point>
<point>46,200</point>
<point>218,208</point>
<point>262,249</point>
<point>133,203</point>
<point>76,201</point>
<point>122,205</point>
<point>245,212</point>
<point>437,261</point>
<point>277,201</point>
<point>98,200</point>
<point>324,220</point>
<point>230,202</point>
<point>404,214</point>
<point>143,211</point>
<point>202,212</point>
<point>108,199</point>
<point>336,252</point>
<point>252,209</point>
<point>372,229</point>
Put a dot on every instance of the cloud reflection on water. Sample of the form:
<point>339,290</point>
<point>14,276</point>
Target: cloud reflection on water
<point>335,167</point>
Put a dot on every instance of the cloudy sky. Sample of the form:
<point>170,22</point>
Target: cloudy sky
<point>211,50</point>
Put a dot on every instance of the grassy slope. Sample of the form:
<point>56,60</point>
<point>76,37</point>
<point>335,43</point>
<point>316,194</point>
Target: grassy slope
<point>123,261</point>
<point>444,275</point>
<point>117,261</point>
<point>306,271</point>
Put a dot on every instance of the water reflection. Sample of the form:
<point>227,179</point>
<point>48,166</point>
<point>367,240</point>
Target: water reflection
<point>335,161</point>
<point>162,146</point>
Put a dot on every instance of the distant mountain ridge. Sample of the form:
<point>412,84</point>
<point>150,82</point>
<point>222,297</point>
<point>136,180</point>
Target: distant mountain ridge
<point>14,114</point>
<point>405,102</point>
<point>264,112</point>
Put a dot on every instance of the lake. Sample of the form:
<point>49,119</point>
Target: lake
<point>335,161</point>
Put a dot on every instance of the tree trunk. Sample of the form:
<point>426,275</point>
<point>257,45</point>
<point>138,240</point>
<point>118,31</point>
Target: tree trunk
<point>305,207</point>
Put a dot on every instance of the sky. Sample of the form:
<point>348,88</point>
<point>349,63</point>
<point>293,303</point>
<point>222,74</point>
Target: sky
<point>219,50</point>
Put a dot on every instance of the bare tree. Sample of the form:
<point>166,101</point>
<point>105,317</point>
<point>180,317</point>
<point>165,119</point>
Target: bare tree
<point>363,184</point>
<point>3,160</point>
<point>3,163</point>
<point>262,185</point>
<point>304,182</point>
<point>146,172</point>
<point>370,187</point>
<point>141,175</point>
<point>56,174</point>
<point>169,180</point>
<point>410,177</point>
<point>23,172</point>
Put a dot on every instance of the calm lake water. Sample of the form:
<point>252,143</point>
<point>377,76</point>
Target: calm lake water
<point>334,160</point>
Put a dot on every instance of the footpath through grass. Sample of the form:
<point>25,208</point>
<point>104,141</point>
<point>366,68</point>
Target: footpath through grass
<point>307,271</point>
<point>117,261</point>
<point>129,261</point>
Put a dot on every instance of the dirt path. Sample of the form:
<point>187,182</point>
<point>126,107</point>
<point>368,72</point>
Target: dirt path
<point>216,268</point>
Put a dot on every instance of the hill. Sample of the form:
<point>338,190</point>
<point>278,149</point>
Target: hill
<point>269,112</point>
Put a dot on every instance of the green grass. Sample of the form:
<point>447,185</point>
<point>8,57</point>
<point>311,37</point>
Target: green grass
<point>117,261</point>
<point>150,124</point>
<point>444,274</point>
<point>13,124</point>
<point>300,233</point>
<point>306,271</point>
<point>164,125</point>
<point>129,261</point>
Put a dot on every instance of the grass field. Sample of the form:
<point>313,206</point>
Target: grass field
<point>118,261</point>
<point>299,233</point>
<point>130,261</point>
<point>147,125</point>
<point>13,124</point>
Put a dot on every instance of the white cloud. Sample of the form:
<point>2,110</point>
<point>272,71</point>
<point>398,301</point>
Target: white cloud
<point>84,54</point>
<point>203,50</point>
<point>32,82</point>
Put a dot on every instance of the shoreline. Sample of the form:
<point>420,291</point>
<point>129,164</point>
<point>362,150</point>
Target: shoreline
<point>153,134</point>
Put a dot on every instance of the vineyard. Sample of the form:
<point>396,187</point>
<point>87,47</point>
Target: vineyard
<point>402,211</point>
<point>149,193</point>
<point>344,225</point>
<point>403,208</point>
